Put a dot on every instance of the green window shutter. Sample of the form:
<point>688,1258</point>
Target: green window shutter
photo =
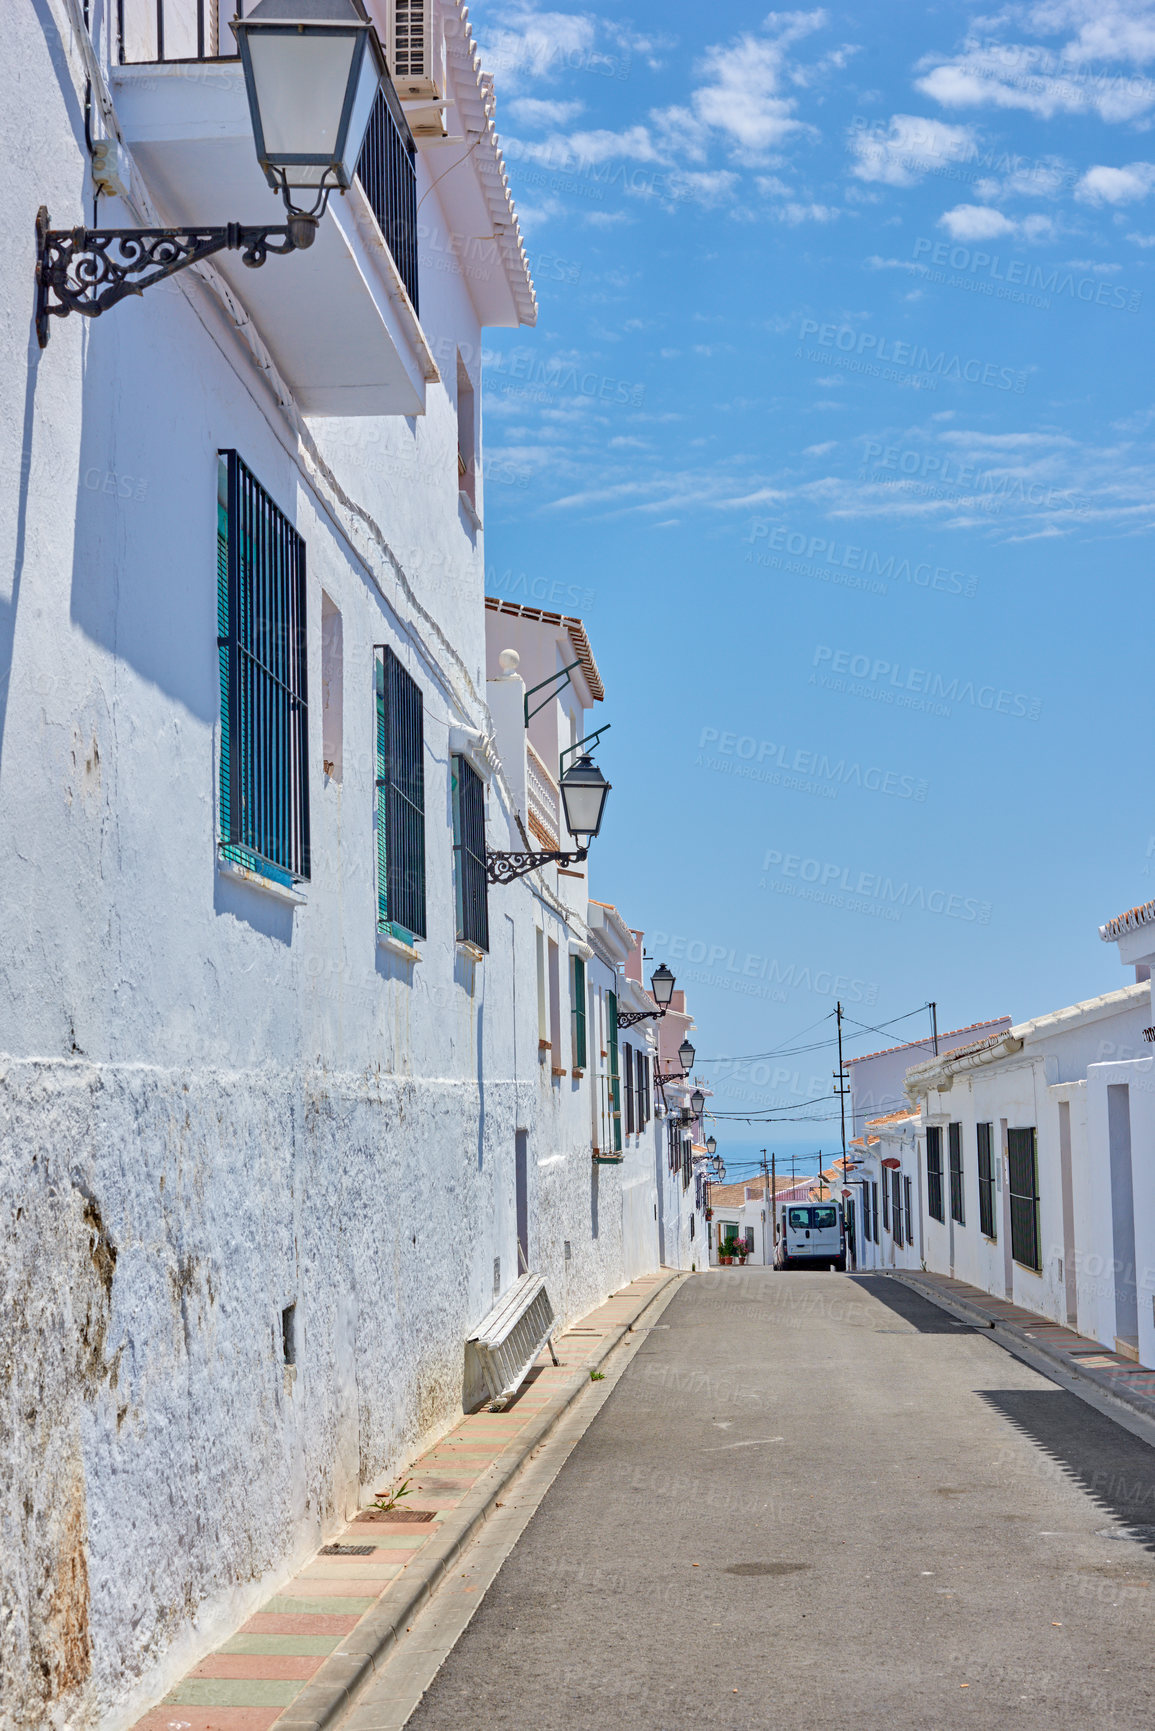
<point>615,1079</point>
<point>579,1013</point>
<point>470,882</point>
<point>934,1205</point>
<point>986,1181</point>
<point>400,799</point>
<point>1023,1173</point>
<point>262,646</point>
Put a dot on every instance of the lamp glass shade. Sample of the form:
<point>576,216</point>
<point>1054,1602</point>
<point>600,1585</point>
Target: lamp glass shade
<point>312,71</point>
<point>583,794</point>
<point>711,1145</point>
<point>697,1101</point>
<point>686,1055</point>
<point>662,986</point>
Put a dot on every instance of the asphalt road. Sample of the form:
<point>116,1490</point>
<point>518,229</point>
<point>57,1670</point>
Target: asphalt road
<point>816,1500</point>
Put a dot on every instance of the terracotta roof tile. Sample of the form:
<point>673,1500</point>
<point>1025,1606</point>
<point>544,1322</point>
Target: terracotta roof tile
<point>921,1045</point>
<point>574,627</point>
<point>1132,921</point>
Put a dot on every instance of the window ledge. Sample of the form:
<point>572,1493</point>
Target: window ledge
<point>258,881</point>
<point>398,947</point>
<point>471,949</point>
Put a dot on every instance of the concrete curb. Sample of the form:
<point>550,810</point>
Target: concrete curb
<point>1097,1387</point>
<point>343,1676</point>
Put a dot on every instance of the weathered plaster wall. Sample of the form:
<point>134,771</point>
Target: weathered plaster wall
<point>215,1103</point>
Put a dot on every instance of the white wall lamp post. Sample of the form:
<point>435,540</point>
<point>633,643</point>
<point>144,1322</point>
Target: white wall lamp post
<point>312,72</point>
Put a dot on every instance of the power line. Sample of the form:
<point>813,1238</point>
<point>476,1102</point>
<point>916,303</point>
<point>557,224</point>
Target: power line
<point>815,1046</point>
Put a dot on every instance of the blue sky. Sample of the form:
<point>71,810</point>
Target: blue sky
<point>835,429</point>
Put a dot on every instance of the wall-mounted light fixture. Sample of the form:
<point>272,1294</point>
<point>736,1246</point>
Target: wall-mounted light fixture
<point>661,990</point>
<point>584,790</point>
<point>312,72</point>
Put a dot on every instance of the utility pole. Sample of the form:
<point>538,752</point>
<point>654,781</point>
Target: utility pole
<point>934,1027</point>
<point>774,1205</point>
<point>767,1213</point>
<point>843,1086</point>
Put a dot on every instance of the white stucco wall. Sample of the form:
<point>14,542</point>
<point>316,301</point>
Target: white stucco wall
<point>216,1102</point>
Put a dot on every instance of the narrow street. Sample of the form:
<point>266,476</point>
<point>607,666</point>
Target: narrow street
<point>817,1500</point>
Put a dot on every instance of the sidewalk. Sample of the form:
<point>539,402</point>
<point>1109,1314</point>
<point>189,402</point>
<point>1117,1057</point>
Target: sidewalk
<point>1081,1363</point>
<point>297,1662</point>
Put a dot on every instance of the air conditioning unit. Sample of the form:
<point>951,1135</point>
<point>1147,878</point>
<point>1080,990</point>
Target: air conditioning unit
<point>416,49</point>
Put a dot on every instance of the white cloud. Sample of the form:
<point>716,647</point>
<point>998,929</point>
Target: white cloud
<point>794,213</point>
<point>821,450</point>
<point>975,222</point>
<point>538,43</point>
<point>742,99</point>
<point>910,147</point>
<point>534,111</point>
<point>1040,80</point>
<point>1103,185</point>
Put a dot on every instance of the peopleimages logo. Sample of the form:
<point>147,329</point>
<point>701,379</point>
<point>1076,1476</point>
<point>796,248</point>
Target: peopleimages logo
<point>871,352</point>
<point>826,881</point>
<point>763,760</point>
<point>752,967</point>
<point>1021,279</point>
<point>917,687</point>
<point>869,561</point>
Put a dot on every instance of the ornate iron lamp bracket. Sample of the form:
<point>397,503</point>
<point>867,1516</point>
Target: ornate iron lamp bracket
<point>629,1018</point>
<point>86,270</point>
<point>502,868</point>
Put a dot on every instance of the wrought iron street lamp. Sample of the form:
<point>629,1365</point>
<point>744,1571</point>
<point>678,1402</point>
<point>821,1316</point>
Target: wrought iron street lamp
<point>686,1055</point>
<point>711,1145</point>
<point>584,791</point>
<point>661,990</point>
<point>697,1101</point>
<point>312,72</point>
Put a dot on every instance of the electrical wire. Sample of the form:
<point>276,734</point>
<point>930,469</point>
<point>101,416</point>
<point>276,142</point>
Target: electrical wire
<point>816,1046</point>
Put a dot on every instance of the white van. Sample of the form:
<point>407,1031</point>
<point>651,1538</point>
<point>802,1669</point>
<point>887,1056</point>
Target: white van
<point>810,1235</point>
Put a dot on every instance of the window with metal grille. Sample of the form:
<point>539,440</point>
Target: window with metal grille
<point>954,1155</point>
<point>470,883</point>
<point>615,1079</point>
<point>874,1211</point>
<point>647,1104</point>
<point>578,1011</point>
<point>261,648</point>
<point>986,1181</point>
<point>628,1062</point>
<point>400,799</point>
<point>906,1188</point>
<point>934,1172</point>
<point>896,1205</point>
<point>1023,1172</point>
<point>885,1203</point>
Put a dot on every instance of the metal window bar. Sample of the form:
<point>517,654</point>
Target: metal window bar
<point>896,1205</point>
<point>1023,1172</point>
<point>387,171</point>
<point>906,1190</point>
<point>885,1203</point>
<point>934,1172</point>
<point>615,1077</point>
<point>400,798</point>
<point>470,882</point>
<point>264,779</point>
<point>986,1181</point>
<point>954,1154</point>
<point>191,31</point>
<point>579,1013</point>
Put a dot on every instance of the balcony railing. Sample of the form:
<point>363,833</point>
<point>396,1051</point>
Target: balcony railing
<point>543,799</point>
<point>152,32</point>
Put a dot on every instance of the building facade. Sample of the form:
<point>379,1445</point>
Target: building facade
<point>289,1092</point>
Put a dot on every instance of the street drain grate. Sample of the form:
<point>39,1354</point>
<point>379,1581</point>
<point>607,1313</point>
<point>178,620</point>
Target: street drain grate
<point>766,1568</point>
<point>347,1550</point>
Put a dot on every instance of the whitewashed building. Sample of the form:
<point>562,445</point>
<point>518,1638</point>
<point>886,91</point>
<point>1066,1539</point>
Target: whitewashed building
<point>884,1181</point>
<point>287,1095</point>
<point>1019,1150</point>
